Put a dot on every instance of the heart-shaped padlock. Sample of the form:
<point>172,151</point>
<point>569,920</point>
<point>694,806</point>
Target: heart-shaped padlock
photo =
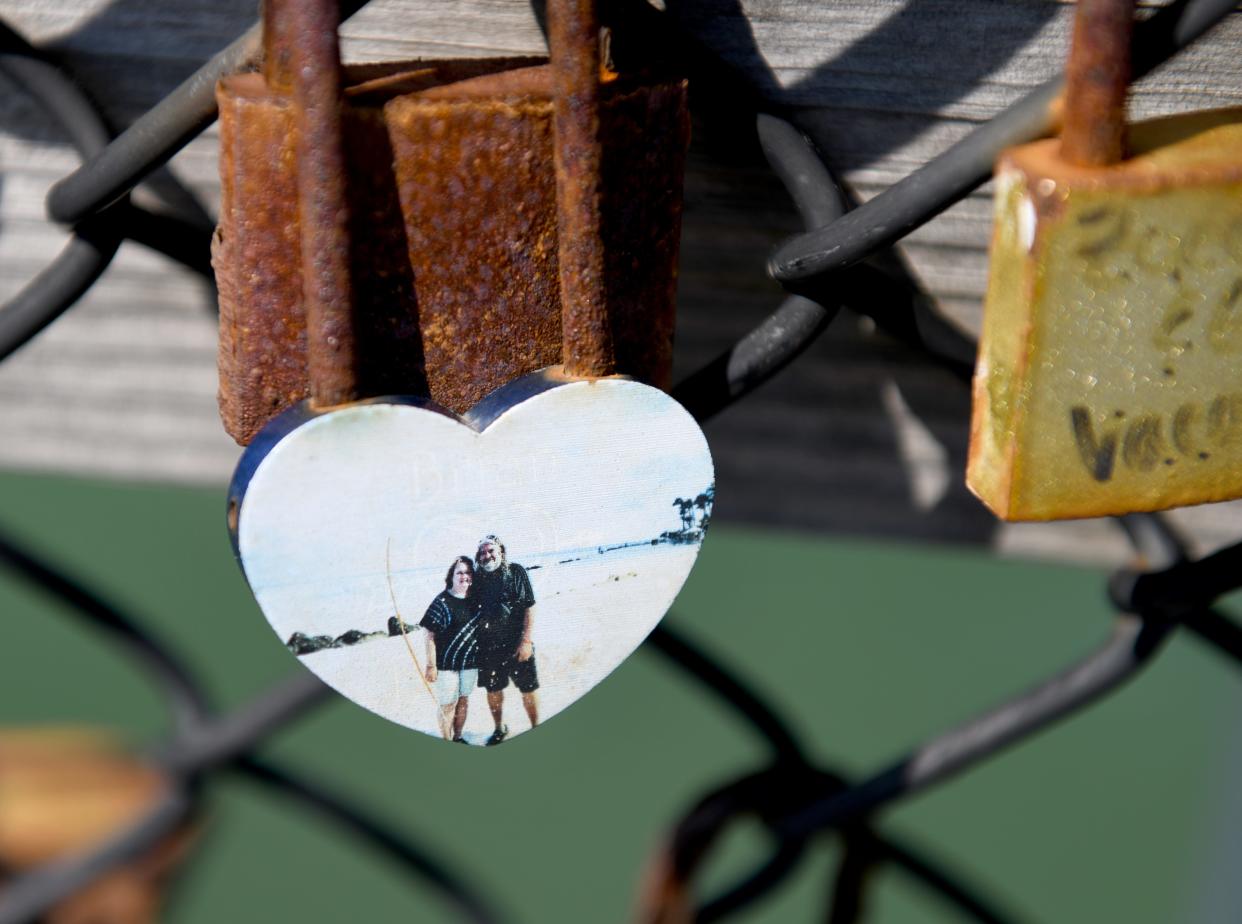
<point>412,557</point>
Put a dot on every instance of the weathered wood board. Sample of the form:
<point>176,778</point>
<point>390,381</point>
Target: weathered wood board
<point>859,435</point>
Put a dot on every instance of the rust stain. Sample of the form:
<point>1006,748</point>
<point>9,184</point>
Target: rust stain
<point>309,30</point>
<point>1168,153</point>
<point>573,36</point>
<point>665,895</point>
<point>453,232</point>
<point>262,352</point>
<point>278,47</point>
<point>1097,77</point>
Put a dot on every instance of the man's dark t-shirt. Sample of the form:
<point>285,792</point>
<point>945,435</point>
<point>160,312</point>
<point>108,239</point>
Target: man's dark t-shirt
<point>456,624</point>
<point>504,595</point>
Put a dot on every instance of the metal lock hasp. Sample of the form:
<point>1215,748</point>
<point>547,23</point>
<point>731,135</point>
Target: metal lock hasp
<point>1108,379</point>
<point>453,229</point>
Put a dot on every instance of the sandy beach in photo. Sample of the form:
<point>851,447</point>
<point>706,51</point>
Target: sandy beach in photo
<point>581,634</point>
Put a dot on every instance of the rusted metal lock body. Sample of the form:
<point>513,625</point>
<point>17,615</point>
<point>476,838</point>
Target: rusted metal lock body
<point>1109,378</point>
<point>453,225</point>
<point>64,791</point>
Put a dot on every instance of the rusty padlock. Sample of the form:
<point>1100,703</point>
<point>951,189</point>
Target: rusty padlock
<point>453,205</point>
<point>1109,379</point>
<point>68,790</point>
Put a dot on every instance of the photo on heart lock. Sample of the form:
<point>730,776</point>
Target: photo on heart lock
<point>491,579</point>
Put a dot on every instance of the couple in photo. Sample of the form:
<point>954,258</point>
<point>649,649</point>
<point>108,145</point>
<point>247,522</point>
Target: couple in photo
<point>478,633</point>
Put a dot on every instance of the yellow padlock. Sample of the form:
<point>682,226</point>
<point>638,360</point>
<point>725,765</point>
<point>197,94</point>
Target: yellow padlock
<point>1109,378</point>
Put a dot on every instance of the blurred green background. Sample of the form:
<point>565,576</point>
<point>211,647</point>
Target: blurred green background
<point>1124,813</point>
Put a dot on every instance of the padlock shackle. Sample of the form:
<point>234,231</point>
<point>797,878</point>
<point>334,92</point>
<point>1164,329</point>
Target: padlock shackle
<point>302,48</point>
<point>277,48</point>
<point>1097,79</point>
<point>574,49</point>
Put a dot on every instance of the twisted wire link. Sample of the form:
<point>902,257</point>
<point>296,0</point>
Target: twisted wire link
<point>185,698</point>
<point>29,896</point>
<point>795,799</point>
<point>1157,600</point>
<point>803,263</point>
<point>200,743</point>
<point>95,237</point>
<point>93,243</point>
<point>416,858</point>
<point>1154,603</point>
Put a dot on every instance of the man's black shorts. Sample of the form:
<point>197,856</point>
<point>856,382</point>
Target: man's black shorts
<point>496,678</point>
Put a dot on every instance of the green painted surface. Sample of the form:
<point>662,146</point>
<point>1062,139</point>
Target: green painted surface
<point>866,648</point>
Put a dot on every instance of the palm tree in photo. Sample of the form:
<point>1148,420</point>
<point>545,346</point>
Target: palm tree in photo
<point>700,504</point>
<point>685,509</point>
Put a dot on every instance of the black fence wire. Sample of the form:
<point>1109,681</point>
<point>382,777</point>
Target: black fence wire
<point>839,261</point>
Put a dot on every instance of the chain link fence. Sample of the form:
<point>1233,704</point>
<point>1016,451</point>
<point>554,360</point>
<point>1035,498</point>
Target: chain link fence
<point>842,258</point>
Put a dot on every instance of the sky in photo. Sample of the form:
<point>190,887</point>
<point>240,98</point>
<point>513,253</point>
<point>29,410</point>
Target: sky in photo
<point>352,495</point>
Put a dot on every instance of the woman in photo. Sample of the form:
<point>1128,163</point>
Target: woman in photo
<point>452,624</point>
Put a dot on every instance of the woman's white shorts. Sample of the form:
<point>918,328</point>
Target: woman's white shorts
<point>453,685</point>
